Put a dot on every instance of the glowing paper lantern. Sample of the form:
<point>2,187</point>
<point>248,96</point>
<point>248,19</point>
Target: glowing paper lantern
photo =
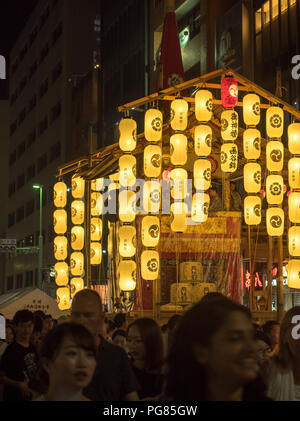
<point>152,196</point>
<point>251,143</point>
<point>275,221</point>
<point>150,231</point>
<point>293,270</point>
<point>76,285</point>
<point>202,140</point>
<point>178,183</point>
<point>96,253</point>
<point>294,138</point>
<point>127,274</point>
<point>78,185</point>
<point>60,247</point>
<point>77,263</point>
<point>77,238</point>
<point>200,206</point>
<point>274,155</point>
<point>150,265</point>
<point>203,105</point>
<point>127,174</point>
<point>294,241</point>
<point>294,173</point>
<point>127,206</point>
<point>152,161</point>
<point>127,241</point>
<point>60,194</point>
<point>178,149</point>
<point>60,221</point>
<point>178,215</point>
<point>98,184</point>
<point>77,212</point>
<point>294,207</point>
<point>251,109</point>
<point>153,125</point>
<point>229,92</point>
<point>110,241</point>
<point>96,204</point>
<point>61,274</point>
<point>274,122</point>
<point>252,210</point>
<point>96,229</point>
<point>252,177</point>
<point>202,174</point>
<point>127,129</point>
<point>229,125</point>
<point>179,112</point>
<point>229,157</point>
<point>274,187</point>
<point>63,298</point>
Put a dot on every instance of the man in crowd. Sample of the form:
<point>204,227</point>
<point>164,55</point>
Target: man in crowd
<point>47,325</point>
<point>19,362</point>
<point>114,379</point>
<point>272,329</point>
<point>236,203</point>
<point>215,201</point>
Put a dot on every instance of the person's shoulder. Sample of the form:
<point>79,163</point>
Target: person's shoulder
<point>112,348</point>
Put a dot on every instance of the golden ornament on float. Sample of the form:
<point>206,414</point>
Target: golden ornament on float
<point>203,105</point>
<point>60,194</point>
<point>127,129</point>
<point>153,125</point>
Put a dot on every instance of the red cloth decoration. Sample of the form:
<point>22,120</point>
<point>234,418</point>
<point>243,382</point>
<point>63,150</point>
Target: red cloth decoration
<point>229,92</point>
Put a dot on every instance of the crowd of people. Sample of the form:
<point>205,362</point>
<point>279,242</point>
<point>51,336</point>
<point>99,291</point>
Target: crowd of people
<point>212,352</point>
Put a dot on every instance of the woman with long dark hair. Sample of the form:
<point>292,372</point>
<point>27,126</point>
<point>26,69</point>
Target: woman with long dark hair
<point>145,346</point>
<point>213,355</point>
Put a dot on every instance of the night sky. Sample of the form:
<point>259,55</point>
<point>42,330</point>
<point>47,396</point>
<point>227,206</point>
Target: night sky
<point>14,15</point>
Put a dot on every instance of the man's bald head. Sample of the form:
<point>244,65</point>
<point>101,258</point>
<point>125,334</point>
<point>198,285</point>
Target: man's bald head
<point>89,294</point>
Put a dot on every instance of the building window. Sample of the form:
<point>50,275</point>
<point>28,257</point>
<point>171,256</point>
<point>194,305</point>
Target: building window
<point>22,116</point>
<point>31,138</point>
<point>44,53</point>
<point>20,214</point>
<point>30,172</point>
<point>19,280</point>
<point>11,219</point>
<point>30,207</point>
<point>57,33</point>
<point>55,112</point>
<point>13,127</point>
<point>42,162</point>
<point>33,36</point>
<point>55,151</point>
<point>43,125</point>
<point>12,158</point>
<point>11,189</point>
<point>29,278</point>
<point>43,88</point>
<point>32,69</point>
<point>21,149</point>
<point>10,282</point>
<point>56,72</point>
<point>20,181</point>
<point>32,103</point>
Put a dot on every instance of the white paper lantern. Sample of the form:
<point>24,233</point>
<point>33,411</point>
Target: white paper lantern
<point>127,174</point>
<point>252,143</point>
<point>251,109</point>
<point>78,185</point>
<point>63,298</point>
<point>60,247</point>
<point>229,157</point>
<point>96,229</point>
<point>152,196</point>
<point>178,214</point>
<point>60,221</point>
<point>98,184</point>
<point>150,265</point>
<point>77,263</point>
<point>77,212</point>
<point>294,173</point>
<point>127,129</point>
<point>150,231</point>
<point>152,161</point>
<point>275,222</point>
<point>274,122</point>
<point>127,275</point>
<point>294,207</point>
<point>200,206</point>
<point>274,155</point>
<point>229,125</point>
<point>202,174</point>
<point>294,241</point>
<point>127,241</point>
<point>96,253</point>
<point>203,105</point>
<point>60,194</point>
<point>178,183</point>
<point>61,274</point>
<point>294,138</point>
<point>76,285</point>
<point>274,187</point>
<point>179,112</point>
<point>96,204</point>
<point>127,206</point>
<point>178,149</point>
<point>252,210</point>
<point>202,140</point>
<point>293,270</point>
<point>153,125</point>
<point>77,237</point>
<point>252,177</point>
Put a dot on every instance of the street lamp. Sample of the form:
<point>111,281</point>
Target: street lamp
<point>40,262</point>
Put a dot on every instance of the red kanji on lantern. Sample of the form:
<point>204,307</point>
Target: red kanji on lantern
<point>229,92</point>
<point>247,280</point>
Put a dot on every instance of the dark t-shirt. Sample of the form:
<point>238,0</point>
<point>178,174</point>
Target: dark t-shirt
<point>20,364</point>
<point>150,384</point>
<point>113,378</point>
